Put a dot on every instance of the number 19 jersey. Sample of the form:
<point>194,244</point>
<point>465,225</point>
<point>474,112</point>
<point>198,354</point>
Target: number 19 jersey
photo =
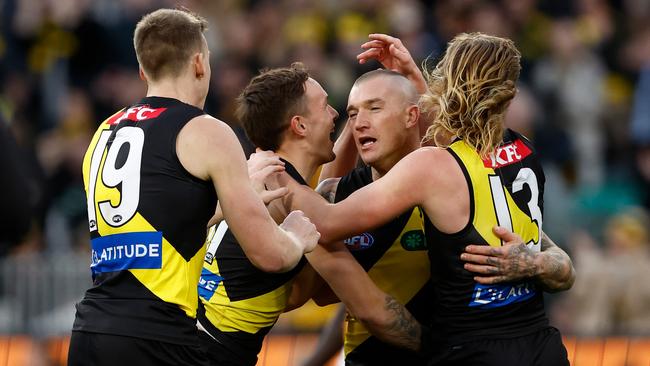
<point>505,189</point>
<point>147,217</point>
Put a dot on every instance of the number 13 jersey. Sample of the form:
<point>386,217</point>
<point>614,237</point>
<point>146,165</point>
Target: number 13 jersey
<point>147,217</point>
<point>506,189</point>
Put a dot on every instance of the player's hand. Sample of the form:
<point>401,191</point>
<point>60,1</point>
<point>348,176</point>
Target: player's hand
<point>301,229</point>
<point>511,262</point>
<point>261,166</point>
<point>392,54</point>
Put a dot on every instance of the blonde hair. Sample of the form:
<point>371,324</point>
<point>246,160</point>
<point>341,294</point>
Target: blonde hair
<point>165,39</point>
<point>469,90</point>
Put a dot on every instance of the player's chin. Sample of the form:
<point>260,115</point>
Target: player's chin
<point>368,157</point>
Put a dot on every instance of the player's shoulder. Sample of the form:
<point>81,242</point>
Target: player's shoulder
<point>207,122</point>
<point>429,158</point>
<point>354,180</point>
<point>206,128</point>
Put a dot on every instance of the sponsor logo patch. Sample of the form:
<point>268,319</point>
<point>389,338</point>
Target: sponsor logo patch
<point>494,296</point>
<point>413,240</point>
<point>360,242</point>
<point>208,283</point>
<point>139,113</point>
<point>117,252</point>
<point>507,154</point>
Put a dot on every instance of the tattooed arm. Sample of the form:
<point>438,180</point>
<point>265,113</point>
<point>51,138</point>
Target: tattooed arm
<point>380,313</point>
<point>551,267</point>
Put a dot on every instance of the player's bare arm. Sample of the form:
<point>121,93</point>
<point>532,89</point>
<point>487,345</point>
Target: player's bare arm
<point>551,268</point>
<point>381,314</point>
<point>260,166</point>
<point>209,150</point>
<point>400,189</point>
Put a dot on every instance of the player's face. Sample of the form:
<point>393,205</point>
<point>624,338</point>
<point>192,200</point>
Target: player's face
<point>377,112</point>
<point>320,117</point>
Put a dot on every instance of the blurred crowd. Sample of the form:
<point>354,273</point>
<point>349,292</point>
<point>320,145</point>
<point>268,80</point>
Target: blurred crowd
<point>584,99</point>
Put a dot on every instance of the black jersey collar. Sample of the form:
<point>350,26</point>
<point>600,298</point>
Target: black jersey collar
<point>291,170</point>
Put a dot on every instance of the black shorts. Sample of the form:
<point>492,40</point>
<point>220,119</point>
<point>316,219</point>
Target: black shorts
<point>220,354</point>
<point>107,349</point>
<point>541,348</point>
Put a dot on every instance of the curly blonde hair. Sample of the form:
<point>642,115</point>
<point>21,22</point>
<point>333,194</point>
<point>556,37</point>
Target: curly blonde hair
<point>469,90</point>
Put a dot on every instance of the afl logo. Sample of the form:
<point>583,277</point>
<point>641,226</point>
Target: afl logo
<point>360,242</point>
<point>117,218</point>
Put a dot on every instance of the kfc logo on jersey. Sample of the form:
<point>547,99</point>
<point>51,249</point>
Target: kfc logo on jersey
<point>139,113</point>
<point>507,154</point>
<point>360,242</point>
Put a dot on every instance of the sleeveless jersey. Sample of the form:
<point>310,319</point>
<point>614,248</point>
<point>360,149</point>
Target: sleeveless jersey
<point>395,257</point>
<point>505,189</point>
<point>239,303</point>
<point>147,218</point>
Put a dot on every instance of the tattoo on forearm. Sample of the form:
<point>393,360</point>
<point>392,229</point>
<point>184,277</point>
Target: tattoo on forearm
<point>403,326</point>
<point>558,269</point>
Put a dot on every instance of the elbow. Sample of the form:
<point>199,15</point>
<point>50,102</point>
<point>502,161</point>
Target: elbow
<point>570,279</point>
<point>327,234</point>
<point>565,283</point>
<point>273,263</point>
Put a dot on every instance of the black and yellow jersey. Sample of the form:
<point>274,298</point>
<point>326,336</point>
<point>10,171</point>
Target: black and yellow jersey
<point>147,218</point>
<point>395,257</point>
<point>506,189</point>
<point>239,303</point>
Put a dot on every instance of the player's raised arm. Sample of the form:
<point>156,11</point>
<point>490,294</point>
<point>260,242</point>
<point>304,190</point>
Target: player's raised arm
<point>393,55</point>
<point>208,149</point>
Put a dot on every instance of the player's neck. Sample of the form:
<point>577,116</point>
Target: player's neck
<point>305,164</point>
<point>174,88</point>
<point>382,166</point>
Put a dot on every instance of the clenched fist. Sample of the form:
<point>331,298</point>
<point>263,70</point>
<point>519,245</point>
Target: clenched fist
<point>301,229</point>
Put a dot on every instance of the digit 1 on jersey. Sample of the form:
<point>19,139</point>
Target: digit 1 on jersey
<point>524,176</point>
<point>126,175</point>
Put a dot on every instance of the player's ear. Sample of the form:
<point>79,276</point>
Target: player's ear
<point>297,125</point>
<point>143,76</point>
<point>198,65</point>
<point>413,116</point>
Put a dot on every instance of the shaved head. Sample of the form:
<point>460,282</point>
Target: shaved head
<point>399,81</point>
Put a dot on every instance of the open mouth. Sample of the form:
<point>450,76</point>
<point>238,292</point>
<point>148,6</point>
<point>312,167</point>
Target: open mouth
<point>367,141</point>
<point>333,135</point>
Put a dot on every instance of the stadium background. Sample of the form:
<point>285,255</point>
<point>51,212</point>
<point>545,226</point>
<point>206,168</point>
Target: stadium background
<point>584,99</point>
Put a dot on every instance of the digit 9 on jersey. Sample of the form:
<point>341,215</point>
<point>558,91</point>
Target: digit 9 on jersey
<point>127,145</point>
